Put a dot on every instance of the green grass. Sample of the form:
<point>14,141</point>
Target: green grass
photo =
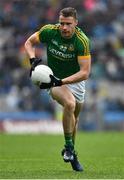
<point>38,156</point>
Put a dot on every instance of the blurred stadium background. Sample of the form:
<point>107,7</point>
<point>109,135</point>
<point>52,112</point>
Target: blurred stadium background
<point>23,107</point>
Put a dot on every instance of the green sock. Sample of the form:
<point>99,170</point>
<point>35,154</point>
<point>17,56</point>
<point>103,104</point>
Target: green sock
<point>69,140</point>
<point>73,140</point>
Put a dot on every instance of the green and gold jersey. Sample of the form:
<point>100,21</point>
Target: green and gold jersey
<point>63,53</point>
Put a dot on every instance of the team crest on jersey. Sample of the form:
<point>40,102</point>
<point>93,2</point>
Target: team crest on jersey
<point>63,48</point>
<point>71,47</point>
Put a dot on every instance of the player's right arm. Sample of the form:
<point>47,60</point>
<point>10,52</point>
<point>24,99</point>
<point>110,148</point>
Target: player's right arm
<point>42,35</point>
<point>29,44</point>
<point>30,49</point>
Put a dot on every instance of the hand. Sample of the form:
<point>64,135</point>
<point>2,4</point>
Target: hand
<point>53,83</point>
<point>34,62</point>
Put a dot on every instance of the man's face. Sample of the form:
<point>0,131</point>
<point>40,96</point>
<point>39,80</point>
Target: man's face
<point>67,26</point>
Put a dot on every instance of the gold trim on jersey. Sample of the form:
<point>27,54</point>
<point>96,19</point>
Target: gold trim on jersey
<point>49,26</point>
<point>88,57</point>
<point>84,41</point>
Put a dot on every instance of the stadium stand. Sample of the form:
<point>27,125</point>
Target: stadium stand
<point>102,21</point>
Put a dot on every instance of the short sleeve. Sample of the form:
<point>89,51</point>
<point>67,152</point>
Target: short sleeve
<point>83,47</point>
<point>45,33</point>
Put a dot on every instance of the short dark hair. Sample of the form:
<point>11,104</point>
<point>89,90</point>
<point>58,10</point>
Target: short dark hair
<point>69,11</point>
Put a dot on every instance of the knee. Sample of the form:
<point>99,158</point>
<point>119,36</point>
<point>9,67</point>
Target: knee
<point>70,105</point>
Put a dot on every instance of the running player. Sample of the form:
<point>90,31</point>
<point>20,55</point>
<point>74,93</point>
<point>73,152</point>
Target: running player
<point>69,57</point>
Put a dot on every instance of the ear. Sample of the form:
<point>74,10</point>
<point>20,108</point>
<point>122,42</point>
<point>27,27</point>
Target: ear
<point>76,22</point>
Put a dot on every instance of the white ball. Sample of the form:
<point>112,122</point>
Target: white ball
<point>41,74</point>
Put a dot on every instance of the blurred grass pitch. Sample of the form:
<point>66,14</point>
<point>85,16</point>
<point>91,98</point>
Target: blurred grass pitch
<point>39,156</point>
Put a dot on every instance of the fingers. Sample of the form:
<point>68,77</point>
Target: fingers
<point>51,77</point>
<point>37,62</point>
<point>45,86</point>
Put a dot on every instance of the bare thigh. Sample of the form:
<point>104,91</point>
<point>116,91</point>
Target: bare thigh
<point>62,95</point>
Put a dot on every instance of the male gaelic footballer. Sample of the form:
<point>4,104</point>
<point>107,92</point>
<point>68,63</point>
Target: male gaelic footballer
<point>68,56</point>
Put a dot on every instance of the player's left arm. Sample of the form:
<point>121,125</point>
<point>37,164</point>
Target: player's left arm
<point>83,73</point>
<point>84,63</point>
